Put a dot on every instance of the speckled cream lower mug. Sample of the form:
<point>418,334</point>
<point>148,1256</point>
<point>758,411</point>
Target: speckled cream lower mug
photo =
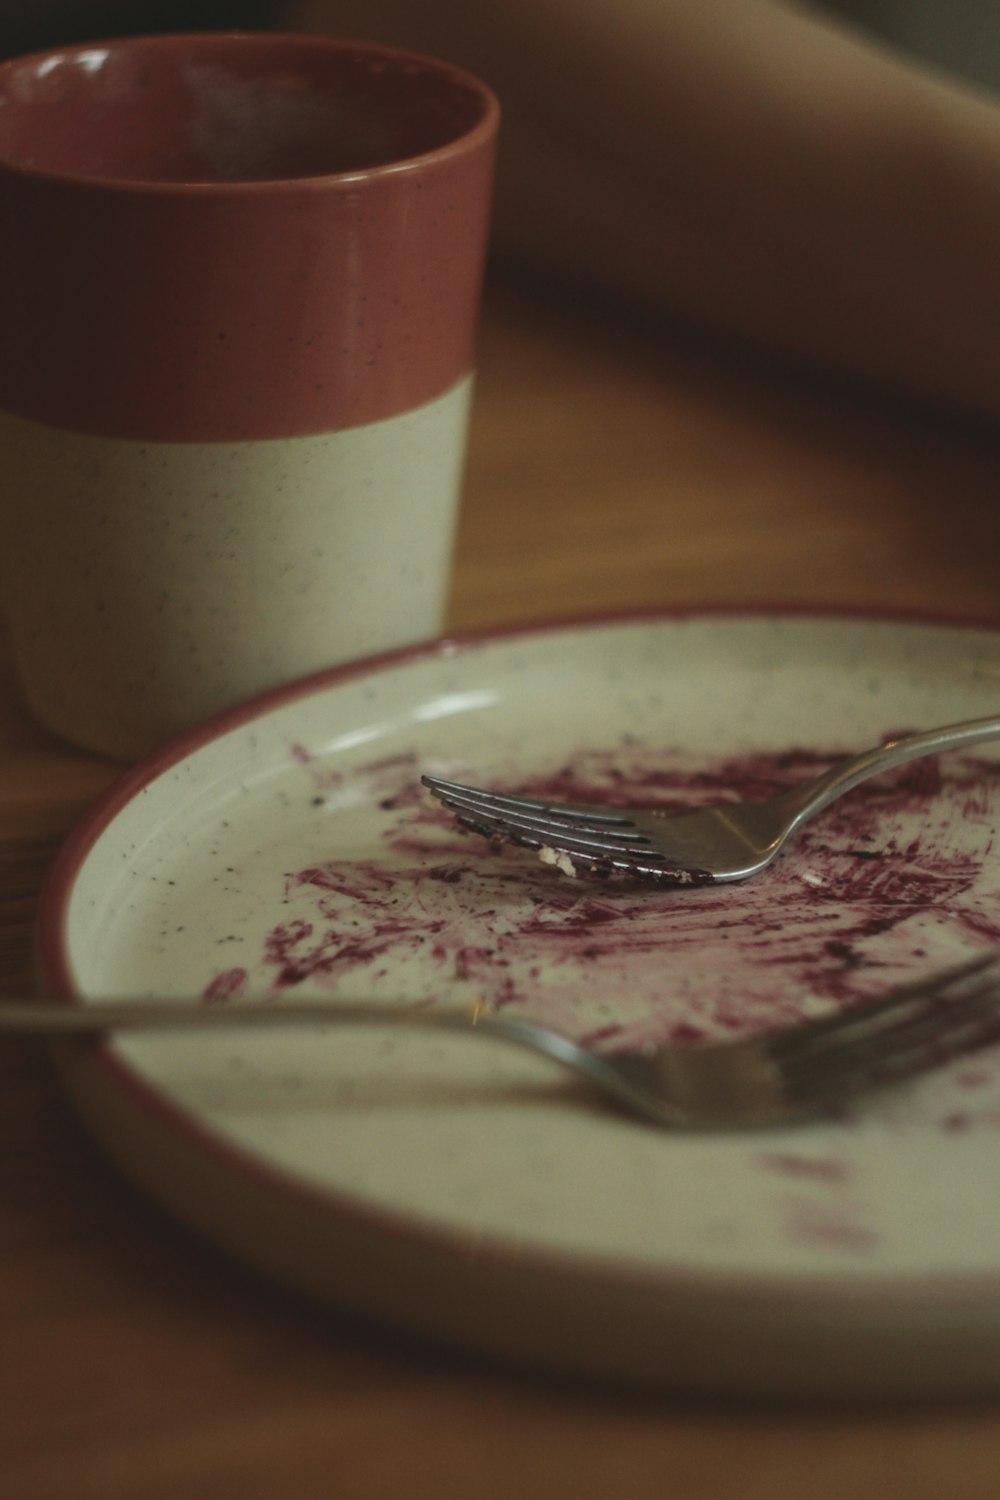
<point>239,287</point>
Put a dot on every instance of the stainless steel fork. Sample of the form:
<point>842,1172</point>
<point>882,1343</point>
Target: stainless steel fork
<point>724,841</point>
<point>798,1073</point>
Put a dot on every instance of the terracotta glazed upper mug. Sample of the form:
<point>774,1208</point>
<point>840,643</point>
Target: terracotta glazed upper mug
<point>239,288</point>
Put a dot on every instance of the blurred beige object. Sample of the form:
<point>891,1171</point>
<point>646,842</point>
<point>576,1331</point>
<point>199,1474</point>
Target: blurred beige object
<point>756,166</point>
<point>960,35</point>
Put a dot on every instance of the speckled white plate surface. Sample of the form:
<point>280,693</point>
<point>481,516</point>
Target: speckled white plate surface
<point>469,1192</point>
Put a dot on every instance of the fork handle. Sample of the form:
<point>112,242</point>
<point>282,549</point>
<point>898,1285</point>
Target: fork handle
<point>55,1019</point>
<point>91,1020</point>
<point>805,800</point>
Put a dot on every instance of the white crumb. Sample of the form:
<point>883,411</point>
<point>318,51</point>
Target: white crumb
<point>561,861</point>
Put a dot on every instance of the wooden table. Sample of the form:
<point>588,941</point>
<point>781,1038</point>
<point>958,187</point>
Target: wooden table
<point>610,467</point>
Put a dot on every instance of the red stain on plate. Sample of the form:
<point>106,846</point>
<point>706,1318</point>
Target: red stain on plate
<point>886,883</point>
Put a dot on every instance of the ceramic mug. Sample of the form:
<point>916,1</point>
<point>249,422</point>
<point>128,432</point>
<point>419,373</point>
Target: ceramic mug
<point>239,288</point>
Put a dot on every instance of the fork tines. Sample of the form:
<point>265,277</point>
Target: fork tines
<point>502,804</point>
<point>592,833</point>
<point>897,1036</point>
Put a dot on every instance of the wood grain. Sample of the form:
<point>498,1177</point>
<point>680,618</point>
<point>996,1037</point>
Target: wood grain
<point>611,465</point>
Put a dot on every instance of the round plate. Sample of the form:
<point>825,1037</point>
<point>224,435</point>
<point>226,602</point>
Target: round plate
<point>474,1193</point>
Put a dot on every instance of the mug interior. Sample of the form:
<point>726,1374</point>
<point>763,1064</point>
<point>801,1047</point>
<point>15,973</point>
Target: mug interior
<point>240,108</point>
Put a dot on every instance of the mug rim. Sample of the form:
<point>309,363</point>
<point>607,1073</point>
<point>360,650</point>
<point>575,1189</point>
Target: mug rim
<point>480,133</point>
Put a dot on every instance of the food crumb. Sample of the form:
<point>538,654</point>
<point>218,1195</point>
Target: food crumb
<point>560,860</point>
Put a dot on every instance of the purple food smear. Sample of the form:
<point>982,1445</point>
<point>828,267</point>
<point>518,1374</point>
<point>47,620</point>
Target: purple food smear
<point>810,1168</point>
<point>828,1226</point>
<point>884,884</point>
<point>228,984</point>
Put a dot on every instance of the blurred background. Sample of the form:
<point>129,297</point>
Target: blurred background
<point>30,25</point>
<point>962,36</point>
